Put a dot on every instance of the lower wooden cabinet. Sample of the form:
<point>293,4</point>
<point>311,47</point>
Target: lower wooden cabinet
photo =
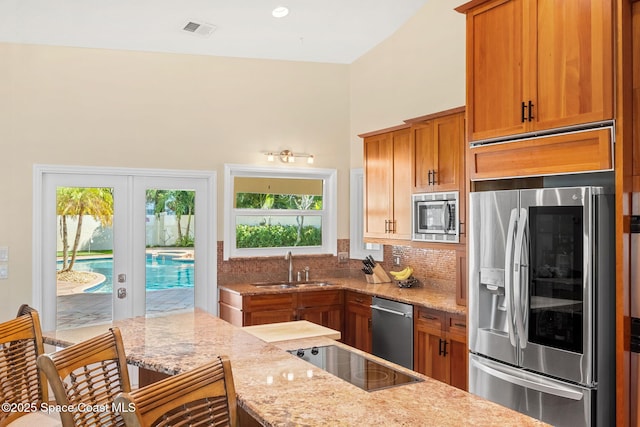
<point>321,307</point>
<point>440,346</point>
<point>357,321</point>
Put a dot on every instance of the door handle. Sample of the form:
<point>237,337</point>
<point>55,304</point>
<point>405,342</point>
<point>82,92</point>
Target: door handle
<point>553,389</point>
<point>508,276</point>
<point>520,294</point>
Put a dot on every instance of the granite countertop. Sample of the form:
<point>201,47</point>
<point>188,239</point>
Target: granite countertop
<point>279,389</point>
<point>427,296</point>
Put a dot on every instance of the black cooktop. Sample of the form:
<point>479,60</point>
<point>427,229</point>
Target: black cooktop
<point>354,368</point>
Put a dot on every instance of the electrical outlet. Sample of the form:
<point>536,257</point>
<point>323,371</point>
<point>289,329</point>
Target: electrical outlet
<point>343,257</point>
<point>396,260</point>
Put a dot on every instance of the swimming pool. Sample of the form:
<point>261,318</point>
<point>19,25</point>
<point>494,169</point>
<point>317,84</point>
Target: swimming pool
<point>163,271</point>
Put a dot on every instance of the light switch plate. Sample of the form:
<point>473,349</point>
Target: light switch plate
<point>4,271</point>
<point>4,253</point>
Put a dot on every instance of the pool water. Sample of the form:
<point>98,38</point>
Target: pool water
<point>162,271</point>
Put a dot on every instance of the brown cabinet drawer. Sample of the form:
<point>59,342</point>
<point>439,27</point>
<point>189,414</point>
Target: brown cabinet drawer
<point>320,298</point>
<point>268,302</point>
<point>457,324</point>
<point>357,298</point>
<point>430,318</point>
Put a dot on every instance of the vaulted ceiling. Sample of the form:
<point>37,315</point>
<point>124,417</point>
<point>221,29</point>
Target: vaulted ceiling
<point>334,31</point>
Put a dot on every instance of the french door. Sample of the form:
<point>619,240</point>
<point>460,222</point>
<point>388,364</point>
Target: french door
<point>152,252</point>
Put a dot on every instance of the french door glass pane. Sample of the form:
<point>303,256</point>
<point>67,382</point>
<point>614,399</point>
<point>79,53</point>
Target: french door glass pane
<point>170,255</point>
<point>84,270</point>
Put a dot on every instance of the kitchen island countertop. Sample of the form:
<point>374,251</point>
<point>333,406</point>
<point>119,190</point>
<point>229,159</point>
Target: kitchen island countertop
<point>279,389</point>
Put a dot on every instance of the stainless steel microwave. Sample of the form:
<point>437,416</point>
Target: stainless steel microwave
<point>435,217</point>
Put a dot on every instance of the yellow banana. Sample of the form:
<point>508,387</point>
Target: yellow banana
<point>403,274</point>
<point>399,273</point>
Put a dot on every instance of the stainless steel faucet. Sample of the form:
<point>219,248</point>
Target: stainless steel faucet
<point>289,257</point>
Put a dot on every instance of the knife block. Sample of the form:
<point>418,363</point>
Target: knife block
<point>378,276</point>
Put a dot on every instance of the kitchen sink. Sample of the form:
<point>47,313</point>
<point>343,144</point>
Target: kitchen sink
<point>288,285</point>
<point>274,285</point>
<point>305,284</point>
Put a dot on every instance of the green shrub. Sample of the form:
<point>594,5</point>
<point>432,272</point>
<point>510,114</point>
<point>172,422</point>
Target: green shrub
<point>275,236</point>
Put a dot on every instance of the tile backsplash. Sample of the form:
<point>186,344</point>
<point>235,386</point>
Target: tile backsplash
<point>433,267</point>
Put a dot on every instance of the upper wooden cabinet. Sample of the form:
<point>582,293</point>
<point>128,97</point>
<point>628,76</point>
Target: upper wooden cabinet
<point>387,167</point>
<point>438,142</point>
<point>537,64</point>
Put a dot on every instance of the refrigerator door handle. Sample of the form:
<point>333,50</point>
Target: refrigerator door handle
<point>508,276</point>
<point>543,387</point>
<point>520,295</point>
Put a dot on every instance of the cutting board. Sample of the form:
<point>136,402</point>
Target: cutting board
<point>285,331</point>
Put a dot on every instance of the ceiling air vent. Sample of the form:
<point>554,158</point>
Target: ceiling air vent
<point>199,28</point>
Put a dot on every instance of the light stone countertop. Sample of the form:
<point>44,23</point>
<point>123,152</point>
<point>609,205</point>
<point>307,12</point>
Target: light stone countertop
<point>427,296</point>
<point>310,397</point>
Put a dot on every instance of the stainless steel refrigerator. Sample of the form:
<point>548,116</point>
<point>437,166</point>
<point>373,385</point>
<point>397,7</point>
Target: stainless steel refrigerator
<point>542,303</point>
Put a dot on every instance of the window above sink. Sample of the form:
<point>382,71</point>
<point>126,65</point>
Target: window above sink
<point>270,210</point>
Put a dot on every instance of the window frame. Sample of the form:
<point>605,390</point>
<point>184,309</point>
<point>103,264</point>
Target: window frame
<point>329,213</point>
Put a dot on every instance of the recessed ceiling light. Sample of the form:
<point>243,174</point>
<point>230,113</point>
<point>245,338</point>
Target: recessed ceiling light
<point>280,12</point>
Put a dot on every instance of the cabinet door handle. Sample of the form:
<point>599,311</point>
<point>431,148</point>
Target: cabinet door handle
<point>393,226</point>
<point>359,300</point>
<point>523,110</point>
<point>439,347</point>
<point>460,325</point>
<point>434,181</point>
<point>386,225</point>
<point>429,177</point>
<point>530,111</point>
<point>444,345</point>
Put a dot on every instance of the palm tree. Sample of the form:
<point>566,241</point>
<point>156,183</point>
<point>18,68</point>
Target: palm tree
<point>183,203</point>
<point>77,202</point>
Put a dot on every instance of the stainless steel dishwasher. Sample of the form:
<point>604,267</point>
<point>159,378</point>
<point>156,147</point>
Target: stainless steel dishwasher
<point>392,329</point>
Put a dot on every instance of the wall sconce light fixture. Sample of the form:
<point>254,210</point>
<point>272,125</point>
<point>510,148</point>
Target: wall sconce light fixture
<point>287,156</point>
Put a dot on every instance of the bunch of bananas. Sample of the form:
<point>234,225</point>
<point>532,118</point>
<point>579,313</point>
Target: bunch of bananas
<point>403,274</point>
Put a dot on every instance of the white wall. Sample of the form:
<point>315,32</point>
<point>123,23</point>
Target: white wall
<point>72,106</point>
<point>418,70</point>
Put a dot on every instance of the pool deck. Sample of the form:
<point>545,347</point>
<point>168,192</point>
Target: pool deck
<point>78,308</point>
<point>83,309</point>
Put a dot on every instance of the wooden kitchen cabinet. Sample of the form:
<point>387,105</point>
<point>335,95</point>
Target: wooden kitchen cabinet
<point>587,151</point>
<point>438,157</point>
<point>251,310</point>
<point>440,346</point>
<point>387,168</point>
<point>321,307</point>
<point>535,65</point>
<point>357,321</point>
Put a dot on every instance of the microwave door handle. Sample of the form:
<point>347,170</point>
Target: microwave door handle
<point>520,295</point>
<point>443,216</point>
<point>508,276</point>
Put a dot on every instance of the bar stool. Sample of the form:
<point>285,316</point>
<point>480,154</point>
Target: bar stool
<point>22,385</point>
<point>87,377</point>
<point>203,396</point>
